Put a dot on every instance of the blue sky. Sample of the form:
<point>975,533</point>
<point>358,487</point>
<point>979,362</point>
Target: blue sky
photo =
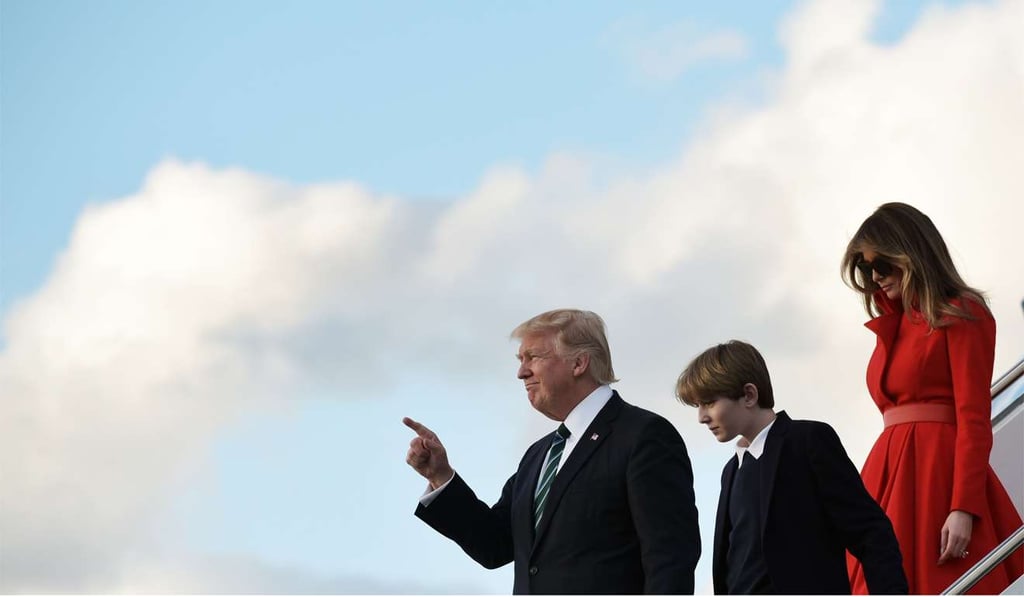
<point>404,97</point>
<point>240,240</point>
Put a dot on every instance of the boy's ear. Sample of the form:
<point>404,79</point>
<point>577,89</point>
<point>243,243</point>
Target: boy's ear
<point>750,395</point>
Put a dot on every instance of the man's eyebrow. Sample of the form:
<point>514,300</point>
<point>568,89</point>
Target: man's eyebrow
<point>531,354</point>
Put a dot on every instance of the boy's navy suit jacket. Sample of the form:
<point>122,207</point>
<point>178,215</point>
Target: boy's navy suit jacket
<point>813,508</point>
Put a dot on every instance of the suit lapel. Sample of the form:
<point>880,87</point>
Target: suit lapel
<point>770,462</point>
<point>586,445</point>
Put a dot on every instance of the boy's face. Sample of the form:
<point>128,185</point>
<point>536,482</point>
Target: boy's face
<point>725,417</point>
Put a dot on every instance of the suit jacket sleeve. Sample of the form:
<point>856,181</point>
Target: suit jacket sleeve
<point>660,488</point>
<point>863,526</point>
<point>484,533</point>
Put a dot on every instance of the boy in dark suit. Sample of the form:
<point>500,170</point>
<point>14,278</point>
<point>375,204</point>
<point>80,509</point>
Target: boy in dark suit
<point>792,503</point>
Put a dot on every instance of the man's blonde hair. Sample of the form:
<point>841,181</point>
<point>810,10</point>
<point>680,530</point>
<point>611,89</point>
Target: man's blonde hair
<point>576,332</point>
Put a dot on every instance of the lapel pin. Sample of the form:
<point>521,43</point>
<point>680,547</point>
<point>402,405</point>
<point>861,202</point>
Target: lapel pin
<point>594,437</point>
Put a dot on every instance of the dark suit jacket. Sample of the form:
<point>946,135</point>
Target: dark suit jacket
<point>813,508</point>
<point>620,516</point>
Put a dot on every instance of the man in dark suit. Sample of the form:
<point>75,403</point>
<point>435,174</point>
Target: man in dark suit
<point>792,503</point>
<point>613,511</point>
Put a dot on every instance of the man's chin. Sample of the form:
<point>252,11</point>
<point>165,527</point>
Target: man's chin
<point>538,405</point>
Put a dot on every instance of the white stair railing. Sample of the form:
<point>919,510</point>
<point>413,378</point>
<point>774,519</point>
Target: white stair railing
<point>987,564</point>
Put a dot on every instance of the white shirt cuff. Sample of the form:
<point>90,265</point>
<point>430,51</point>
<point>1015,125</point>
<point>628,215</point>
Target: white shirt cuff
<point>428,496</point>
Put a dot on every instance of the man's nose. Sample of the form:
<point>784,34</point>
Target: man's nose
<point>523,372</point>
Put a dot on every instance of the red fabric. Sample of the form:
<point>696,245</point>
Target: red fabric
<point>921,471</point>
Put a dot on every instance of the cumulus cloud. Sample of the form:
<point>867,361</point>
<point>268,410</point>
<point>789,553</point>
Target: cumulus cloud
<point>210,293</point>
<point>156,327</point>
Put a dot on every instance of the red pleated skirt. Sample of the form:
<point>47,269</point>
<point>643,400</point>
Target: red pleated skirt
<point>909,471</point>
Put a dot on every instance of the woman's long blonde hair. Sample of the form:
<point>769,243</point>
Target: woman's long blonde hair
<point>907,238</point>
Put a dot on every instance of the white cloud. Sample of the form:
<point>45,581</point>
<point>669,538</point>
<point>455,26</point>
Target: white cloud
<point>154,330</point>
<point>666,53</point>
<point>211,293</point>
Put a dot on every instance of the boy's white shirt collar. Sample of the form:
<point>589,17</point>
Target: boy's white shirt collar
<point>756,447</point>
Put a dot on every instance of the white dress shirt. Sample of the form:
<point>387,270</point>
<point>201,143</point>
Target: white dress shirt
<point>756,447</point>
<point>582,416</point>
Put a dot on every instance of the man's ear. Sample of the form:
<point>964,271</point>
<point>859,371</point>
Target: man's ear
<point>580,364</point>
<point>749,395</point>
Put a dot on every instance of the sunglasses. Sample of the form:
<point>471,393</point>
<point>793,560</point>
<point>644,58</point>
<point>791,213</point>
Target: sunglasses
<point>883,267</point>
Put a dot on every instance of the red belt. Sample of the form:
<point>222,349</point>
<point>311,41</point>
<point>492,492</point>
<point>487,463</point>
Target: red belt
<point>919,413</point>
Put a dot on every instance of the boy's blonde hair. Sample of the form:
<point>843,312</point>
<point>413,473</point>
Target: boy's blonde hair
<point>722,371</point>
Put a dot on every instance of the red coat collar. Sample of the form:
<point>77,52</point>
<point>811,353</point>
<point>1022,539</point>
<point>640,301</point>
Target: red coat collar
<point>886,324</point>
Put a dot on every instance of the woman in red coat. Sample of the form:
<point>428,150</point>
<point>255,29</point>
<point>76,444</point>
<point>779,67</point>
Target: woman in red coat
<point>930,376</point>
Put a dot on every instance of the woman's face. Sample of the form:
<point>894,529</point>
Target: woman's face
<point>888,276</point>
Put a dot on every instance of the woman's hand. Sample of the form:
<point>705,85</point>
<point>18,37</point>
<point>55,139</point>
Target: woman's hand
<point>956,534</point>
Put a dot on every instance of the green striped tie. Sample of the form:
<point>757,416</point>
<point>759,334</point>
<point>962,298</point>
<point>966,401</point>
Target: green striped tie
<point>554,455</point>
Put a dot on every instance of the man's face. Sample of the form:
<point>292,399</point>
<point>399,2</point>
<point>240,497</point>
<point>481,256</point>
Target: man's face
<point>547,375</point>
<point>725,417</point>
